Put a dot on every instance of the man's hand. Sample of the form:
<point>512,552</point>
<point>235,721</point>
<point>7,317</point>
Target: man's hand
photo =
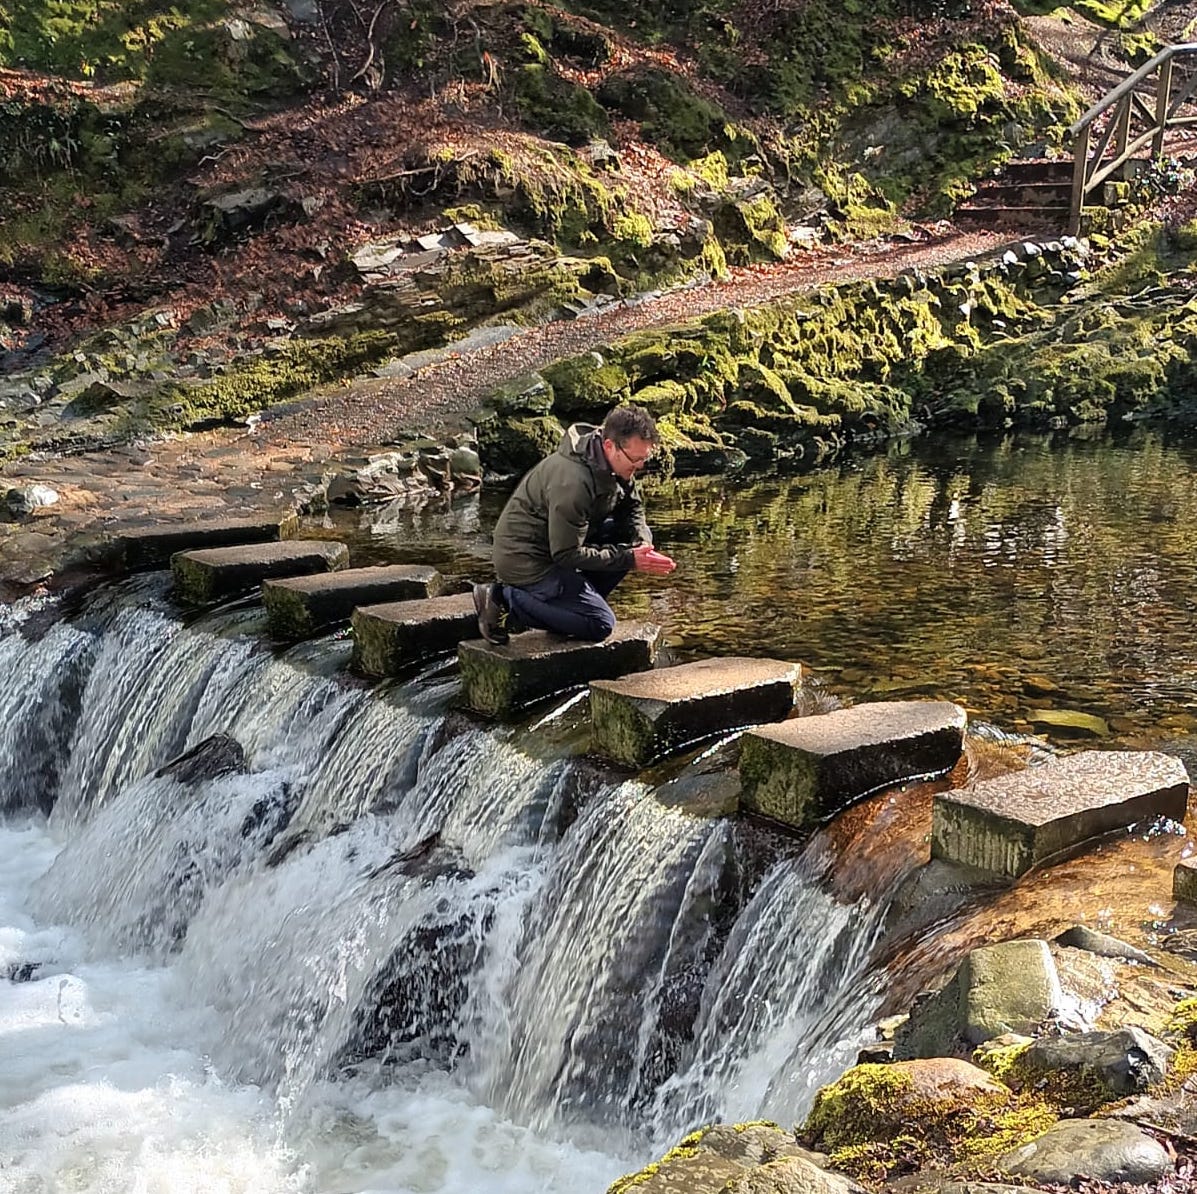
<point>648,559</point>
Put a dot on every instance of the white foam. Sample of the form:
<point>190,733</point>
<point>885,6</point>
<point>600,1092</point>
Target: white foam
<point>104,1090</point>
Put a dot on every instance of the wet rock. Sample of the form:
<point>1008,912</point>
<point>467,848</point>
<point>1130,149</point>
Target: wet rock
<point>1101,1150</point>
<point>688,1173</point>
<point>215,756</point>
<point>752,1144</point>
<point>23,972</point>
<point>152,546</point>
<point>1011,987</point>
<point>1102,944</point>
<point>1124,1062</point>
<point>1070,723</point>
<point>1184,881</point>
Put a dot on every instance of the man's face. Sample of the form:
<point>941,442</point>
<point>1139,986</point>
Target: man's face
<point>628,458</point>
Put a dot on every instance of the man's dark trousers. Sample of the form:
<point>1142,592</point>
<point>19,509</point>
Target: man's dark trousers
<point>567,602</point>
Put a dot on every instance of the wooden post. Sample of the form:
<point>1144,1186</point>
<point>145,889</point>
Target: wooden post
<point>1122,136</point>
<point>1080,175</point>
<point>1163,94</point>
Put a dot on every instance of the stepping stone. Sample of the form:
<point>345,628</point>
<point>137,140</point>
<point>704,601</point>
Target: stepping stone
<point>388,638</point>
<point>537,664</point>
<point>1011,823</point>
<point>300,606</point>
<point>641,717</point>
<point>153,546</point>
<point>801,772</point>
<point>1184,881</point>
<point>217,572</point>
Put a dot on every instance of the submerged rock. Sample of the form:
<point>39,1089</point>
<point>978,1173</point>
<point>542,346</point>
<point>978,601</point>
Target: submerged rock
<point>215,756</point>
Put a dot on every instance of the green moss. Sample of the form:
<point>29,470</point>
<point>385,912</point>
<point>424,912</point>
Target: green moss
<point>633,228</point>
<point>554,106</point>
<point>587,386</point>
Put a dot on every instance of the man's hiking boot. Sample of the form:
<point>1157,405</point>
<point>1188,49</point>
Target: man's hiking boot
<point>492,615</point>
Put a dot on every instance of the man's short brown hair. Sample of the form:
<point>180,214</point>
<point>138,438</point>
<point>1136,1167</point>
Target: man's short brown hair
<point>630,422</point>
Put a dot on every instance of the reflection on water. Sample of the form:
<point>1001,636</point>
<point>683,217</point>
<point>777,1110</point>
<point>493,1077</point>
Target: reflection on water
<point>1014,575</point>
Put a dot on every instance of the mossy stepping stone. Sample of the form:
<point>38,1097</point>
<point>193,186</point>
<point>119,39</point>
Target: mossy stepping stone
<point>389,638</point>
<point>212,574</point>
<point>300,606</point>
<point>801,772</point>
<point>641,717</point>
<point>1011,823</point>
<point>152,546</point>
<point>537,664</point>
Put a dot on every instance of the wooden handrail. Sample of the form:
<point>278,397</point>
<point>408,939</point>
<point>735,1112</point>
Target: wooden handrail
<point>1095,162</point>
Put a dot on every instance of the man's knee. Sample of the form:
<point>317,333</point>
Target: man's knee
<point>598,626</point>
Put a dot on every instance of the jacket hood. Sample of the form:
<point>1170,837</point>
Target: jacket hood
<point>576,442</point>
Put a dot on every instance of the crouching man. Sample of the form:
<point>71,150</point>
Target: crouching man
<point>572,530</point>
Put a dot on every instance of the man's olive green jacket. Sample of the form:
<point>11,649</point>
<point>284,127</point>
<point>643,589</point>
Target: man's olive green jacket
<point>562,503</point>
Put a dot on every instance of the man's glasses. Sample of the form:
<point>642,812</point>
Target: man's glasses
<point>634,461</point>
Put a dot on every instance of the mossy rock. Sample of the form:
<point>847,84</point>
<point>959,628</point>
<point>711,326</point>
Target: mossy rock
<point>680,123</point>
<point>556,107</point>
<point>509,446</point>
<point>662,398</point>
<point>587,386</point>
<point>529,393</point>
<point>751,229</point>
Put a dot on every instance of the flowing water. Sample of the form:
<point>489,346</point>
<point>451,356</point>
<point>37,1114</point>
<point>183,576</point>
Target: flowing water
<point>382,946</point>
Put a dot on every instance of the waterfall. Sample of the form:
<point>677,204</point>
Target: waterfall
<point>371,897</point>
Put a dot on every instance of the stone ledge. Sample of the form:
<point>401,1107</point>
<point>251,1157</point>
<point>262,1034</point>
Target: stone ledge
<point>211,574</point>
<point>1011,823</point>
<point>299,606</point>
<point>641,717</point>
<point>537,664</point>
<point>389,638</point>
<point>801,772</point>
<point>1184,881</point>
<point>139,548</point>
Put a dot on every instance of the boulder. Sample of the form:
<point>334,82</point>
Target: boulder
<point>1011,987</point>
<point>1184,881</point>
<point>1120,1063</point>
<point>498,680</point>
<point>1100,1150</point>
<point>641,717</point>
<point>801,772</point>
<point>1010,823</point>
<point>216,755</point>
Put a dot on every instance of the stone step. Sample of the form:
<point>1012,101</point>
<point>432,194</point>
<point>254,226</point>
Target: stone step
<point>642,717</point>
<point>1184,881</point>
<point>300,606</point>
<point>1024,194</point>
<point>801,772</point>
<point>214,573</point>
<point>1038,170</point>
<point>389,638</point>
<point>152,547</point>
<point>537,664</point>
<point>1011,823</point>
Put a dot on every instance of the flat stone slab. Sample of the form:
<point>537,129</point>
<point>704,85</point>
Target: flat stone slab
<point>1011,823</point>
<point>217,572</point>
<point>389,638</point>
<point>152,547</point>
<point>1184,881</point>
<point>801,772</point>
<point>300,606</point>
<point>642,717</point>
<point>537,664</point>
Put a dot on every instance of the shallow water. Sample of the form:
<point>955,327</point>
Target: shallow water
<point>1013,574</point>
